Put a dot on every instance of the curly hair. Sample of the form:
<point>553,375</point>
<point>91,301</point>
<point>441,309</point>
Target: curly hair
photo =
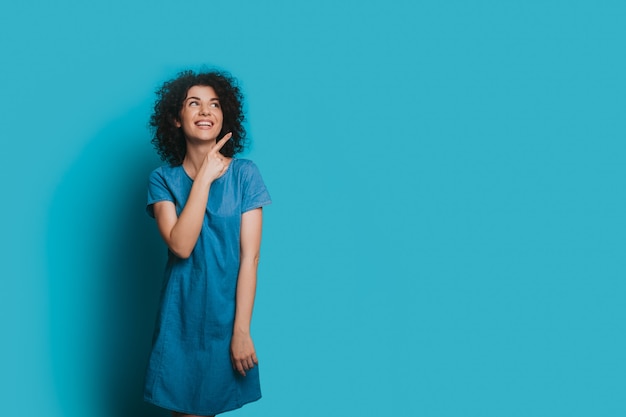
<point>169,140</point>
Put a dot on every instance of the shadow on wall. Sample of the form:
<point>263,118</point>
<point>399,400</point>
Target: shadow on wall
<point>105,266</point>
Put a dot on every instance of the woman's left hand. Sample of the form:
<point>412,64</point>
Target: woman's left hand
<point>242,352</point>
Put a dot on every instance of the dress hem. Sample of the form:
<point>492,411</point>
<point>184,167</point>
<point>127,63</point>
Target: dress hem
<point>198,413</point>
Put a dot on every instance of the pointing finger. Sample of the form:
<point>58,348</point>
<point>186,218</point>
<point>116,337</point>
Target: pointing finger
<point>222,141</point>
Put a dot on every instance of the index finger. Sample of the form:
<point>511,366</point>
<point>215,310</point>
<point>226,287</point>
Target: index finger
<point>222,141</point>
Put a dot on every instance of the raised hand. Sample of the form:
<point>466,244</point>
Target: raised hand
<point>214,164</point>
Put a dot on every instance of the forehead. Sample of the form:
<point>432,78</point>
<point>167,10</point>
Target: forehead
<point>201,91</point>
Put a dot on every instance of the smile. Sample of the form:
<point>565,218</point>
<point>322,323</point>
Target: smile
<point>204,124</point>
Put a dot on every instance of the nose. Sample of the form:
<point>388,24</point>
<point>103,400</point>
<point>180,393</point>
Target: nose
<point>205,109</point>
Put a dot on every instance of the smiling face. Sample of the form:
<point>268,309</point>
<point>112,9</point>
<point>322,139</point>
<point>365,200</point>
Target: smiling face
<point>201,115</point>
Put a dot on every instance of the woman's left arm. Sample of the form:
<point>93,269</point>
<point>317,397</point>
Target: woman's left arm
<point>243,354</point>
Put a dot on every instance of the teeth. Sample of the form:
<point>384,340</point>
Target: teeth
<point>204,124</point>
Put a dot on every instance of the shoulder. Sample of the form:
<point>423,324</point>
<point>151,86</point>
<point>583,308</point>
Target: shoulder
<point>166,172</point>
<point>168,177</point>
<point>254,189</point>
<point>242,164</point>
<point>244,167</point>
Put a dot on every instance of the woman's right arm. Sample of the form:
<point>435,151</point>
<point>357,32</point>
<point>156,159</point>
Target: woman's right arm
<point>180,233</point>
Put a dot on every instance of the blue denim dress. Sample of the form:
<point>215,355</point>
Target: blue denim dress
<point>190,370</point>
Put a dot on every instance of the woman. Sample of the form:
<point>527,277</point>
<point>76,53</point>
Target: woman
<point>207,207</point>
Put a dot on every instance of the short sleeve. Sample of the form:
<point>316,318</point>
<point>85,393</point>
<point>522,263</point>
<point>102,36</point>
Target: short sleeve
<point>157,190</point>
<point>255,193</point>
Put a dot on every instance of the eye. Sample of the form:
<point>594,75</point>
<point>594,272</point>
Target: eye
<point>215,105</point>
<point>193,103</point>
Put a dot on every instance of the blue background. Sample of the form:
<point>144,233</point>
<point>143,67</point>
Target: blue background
<point>447,236</point>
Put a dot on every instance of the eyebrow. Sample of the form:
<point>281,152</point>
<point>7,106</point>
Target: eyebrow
<point>198,98</point>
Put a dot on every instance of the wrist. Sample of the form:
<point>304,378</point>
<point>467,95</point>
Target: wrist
<point>241,329</point>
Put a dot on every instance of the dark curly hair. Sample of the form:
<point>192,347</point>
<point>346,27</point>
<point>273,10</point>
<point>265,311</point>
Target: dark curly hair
<point>169,140</point>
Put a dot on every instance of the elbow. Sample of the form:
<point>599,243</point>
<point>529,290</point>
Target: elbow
<point>182,253</point>
<point>181,248</point>
<point>252,260</point>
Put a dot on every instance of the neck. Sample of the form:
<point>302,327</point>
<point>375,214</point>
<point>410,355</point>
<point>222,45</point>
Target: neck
<point>194,157</point>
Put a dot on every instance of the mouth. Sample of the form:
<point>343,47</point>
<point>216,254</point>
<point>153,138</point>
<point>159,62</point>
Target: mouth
<point>204,123</point>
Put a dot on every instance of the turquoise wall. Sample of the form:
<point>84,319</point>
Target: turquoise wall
<point>447,236</point>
